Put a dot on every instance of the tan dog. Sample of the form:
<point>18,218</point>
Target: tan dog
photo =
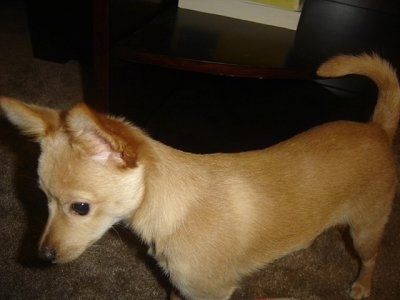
<point>211,219</point>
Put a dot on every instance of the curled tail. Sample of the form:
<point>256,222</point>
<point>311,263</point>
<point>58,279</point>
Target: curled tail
<point>387,109</point>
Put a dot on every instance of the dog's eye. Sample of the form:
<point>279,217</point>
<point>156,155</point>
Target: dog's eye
<point>80,208</point>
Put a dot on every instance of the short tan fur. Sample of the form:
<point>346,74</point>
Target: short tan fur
<point>211,219</point>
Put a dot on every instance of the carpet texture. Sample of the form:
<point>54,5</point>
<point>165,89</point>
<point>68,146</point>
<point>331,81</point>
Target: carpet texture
<point>117,267</point>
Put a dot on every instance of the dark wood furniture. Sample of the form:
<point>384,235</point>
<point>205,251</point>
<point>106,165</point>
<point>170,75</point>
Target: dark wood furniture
<point>192,41</point>
<point>112,21</point>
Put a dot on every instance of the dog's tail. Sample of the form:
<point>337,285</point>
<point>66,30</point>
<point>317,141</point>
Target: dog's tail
<point>387,110</point>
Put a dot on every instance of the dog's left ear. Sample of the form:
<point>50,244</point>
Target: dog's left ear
<point>32,120</point>
<point>107,140</point>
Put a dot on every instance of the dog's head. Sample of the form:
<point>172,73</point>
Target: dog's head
<point>88,168</point>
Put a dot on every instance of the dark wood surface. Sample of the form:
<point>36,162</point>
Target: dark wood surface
<point>189,40</point>
<point>195,41</point>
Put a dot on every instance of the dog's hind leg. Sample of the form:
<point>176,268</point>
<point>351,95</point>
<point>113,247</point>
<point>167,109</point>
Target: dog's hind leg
<point>366,239</point>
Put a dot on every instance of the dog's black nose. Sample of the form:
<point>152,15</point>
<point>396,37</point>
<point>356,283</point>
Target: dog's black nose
<point>47,253</point>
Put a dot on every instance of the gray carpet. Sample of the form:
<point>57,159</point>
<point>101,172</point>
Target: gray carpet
<point>117,266</point>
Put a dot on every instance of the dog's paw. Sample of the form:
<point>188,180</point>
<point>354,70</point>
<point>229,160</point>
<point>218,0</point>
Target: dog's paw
<point>359,291</point>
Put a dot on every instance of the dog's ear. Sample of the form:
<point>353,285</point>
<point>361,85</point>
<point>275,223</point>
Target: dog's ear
<point>107,140</point>
<point>32,120</point>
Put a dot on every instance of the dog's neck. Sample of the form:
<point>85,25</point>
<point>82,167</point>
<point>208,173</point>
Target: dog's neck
<point>169,191</point>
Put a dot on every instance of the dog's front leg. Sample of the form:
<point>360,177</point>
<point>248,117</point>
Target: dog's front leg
<point>174,296</point>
